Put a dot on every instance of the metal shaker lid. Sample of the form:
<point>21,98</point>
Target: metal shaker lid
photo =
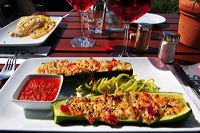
<point>171,36</point>
<point>144,26</point>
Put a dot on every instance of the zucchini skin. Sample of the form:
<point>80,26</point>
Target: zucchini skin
<point>60,117</point>
<point>96,75</point>
<point>99,74</point>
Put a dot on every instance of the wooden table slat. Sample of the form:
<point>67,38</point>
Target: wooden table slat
<point>108,42</point>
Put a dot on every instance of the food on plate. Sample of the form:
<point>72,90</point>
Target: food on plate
<point>33,26</point>
<point>138,107</point>
<point>83,67</point>
<point>121,83</point>
<point>40,89</point>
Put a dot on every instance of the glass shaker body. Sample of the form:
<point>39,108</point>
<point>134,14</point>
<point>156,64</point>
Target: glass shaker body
<point>143,36</point>
<point>168,46</point>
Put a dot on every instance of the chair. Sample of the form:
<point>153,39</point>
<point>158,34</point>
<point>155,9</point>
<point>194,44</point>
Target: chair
<point>2,20</point>
<point>8,13</point>
<point>39,5</point>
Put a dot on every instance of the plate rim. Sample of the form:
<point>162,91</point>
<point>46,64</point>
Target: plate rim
<point>25,63</point>
<point>152,14</point>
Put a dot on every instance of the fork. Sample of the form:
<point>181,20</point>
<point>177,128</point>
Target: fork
<point>8,68</point>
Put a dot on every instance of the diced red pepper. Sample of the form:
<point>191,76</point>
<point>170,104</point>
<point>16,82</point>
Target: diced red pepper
<point>97,98</point>
<point>110,68</point>
<point>110,118</point>
<point>70,65</point>
<point>146,94</point>
<point>114,59</point>
<point>146,101</point>
<point>64,108</point>
<point>113,119</point>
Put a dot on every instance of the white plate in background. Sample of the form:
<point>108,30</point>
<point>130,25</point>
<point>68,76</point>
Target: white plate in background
<point>6,40</point>
<point>151,19</point>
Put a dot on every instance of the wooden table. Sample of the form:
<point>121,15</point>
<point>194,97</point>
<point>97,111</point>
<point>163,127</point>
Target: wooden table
<point>108,42</point>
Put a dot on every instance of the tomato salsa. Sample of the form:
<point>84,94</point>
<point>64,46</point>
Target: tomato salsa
<point>40,89</point>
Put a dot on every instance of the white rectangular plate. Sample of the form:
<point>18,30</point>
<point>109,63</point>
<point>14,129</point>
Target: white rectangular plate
<point>14,118</point>
<point>6,40</point>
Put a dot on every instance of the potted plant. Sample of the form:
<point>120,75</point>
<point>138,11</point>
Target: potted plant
<point>189,23</point>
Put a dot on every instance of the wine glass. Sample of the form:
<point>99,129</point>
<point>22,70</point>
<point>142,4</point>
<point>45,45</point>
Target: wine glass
<point>82,6</point>
<point>128,11</point>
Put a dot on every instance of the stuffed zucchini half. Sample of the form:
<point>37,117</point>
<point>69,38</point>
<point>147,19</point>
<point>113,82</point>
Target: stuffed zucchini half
<point>135,107</point>
<point>81,68</point>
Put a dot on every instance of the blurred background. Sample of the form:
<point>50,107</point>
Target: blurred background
<point>11,10</point>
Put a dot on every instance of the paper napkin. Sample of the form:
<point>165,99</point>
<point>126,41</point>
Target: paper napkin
<point>193,72</point>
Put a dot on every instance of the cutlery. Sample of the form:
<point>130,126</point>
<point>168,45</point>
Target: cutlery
<point>8,68</point>
<point>185,79</point>
<point>68,13</point>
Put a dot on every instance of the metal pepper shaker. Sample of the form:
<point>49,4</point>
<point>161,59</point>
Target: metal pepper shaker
<point>168,46</point>
<point>143,36</point>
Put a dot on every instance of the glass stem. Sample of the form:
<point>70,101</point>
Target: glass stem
<point>82,24</point>
<point>126,37</point>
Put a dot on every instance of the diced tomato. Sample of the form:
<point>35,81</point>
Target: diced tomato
<point>40,89</point>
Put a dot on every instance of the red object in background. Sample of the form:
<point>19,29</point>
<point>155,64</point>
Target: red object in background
<point>189,23</point>
<point>129,10</point>
<point>81,5</point>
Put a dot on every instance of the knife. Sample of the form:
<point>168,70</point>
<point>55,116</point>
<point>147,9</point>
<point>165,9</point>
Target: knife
<point>68,13</point>
<point>185,79</point>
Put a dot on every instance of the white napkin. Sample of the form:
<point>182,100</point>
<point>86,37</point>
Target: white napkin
<point>193,72</point>
<point>39,51</point>
<point>23,53</point>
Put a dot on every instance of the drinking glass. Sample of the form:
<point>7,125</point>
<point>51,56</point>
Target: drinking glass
<point>96,16</point>
<point>128,11</point>
<point>82,6</point>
